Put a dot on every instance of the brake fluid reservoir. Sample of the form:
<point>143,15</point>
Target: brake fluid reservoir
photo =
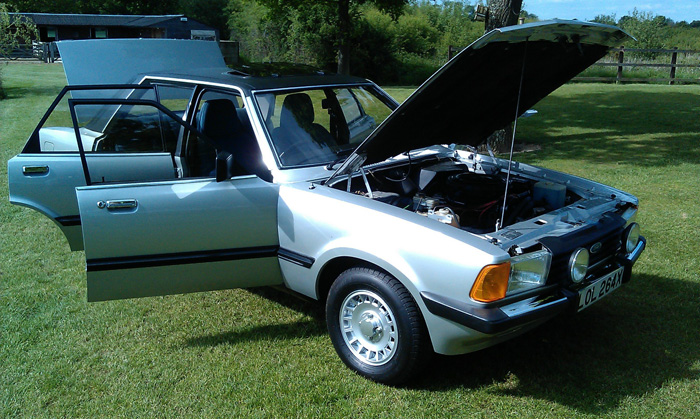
<point>553,193</point>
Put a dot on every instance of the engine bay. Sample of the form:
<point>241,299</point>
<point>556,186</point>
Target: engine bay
<point>453,193</point>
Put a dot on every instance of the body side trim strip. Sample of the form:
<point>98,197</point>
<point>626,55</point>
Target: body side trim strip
<point>296,258</point>
<point>183,258</point>
<point>69,220</point>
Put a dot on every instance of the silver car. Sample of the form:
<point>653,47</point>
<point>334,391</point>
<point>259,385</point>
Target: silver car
<point>177,174</point>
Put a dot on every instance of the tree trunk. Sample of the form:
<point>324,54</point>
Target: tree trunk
<point>344,37</point>
<point>502,13</point>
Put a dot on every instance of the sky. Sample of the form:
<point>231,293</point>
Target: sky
<point>688,10</point>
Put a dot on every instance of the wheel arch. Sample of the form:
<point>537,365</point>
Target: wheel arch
<point>334,267</point>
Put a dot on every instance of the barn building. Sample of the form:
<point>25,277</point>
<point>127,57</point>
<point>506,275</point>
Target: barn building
<point>60,27</point>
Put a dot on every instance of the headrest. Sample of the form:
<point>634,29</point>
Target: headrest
<point>218,118</point>
<point>297,107</point>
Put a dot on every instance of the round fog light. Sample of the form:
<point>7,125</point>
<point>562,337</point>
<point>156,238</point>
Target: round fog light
<point>631,237</point>
<point>578,265</point>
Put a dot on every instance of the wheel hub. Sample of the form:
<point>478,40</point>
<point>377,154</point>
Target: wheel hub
<point>369,328</point>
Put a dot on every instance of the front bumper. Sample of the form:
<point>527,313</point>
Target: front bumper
<point>492,320</point>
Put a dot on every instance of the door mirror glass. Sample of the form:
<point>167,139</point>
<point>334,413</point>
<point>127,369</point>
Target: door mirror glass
<point>224,166</point>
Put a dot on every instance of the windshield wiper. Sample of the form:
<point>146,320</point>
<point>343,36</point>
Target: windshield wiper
<point>342,155</point>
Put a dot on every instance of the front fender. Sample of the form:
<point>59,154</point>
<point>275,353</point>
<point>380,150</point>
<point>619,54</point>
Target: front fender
<point>321,224</point>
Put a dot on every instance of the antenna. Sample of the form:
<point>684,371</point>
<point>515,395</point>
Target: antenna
<point>499,225</point>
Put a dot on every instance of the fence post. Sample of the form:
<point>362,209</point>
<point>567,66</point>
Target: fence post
<point>674,58</point>
<point>620,60</point>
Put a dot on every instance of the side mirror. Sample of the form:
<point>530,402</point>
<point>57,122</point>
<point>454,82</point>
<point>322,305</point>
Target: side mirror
<point>224,166</point>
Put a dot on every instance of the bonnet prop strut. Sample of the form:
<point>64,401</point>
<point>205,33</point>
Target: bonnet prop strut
<point>499,223</point>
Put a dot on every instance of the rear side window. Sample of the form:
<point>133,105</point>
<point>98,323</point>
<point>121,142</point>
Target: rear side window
<point>129,128</point>
<point>114,128</point>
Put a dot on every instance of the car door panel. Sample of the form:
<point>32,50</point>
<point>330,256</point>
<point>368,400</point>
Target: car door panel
<point>46,182</point>
<point>130,167</point>
<point>181,236</point>
<point>64,155</point>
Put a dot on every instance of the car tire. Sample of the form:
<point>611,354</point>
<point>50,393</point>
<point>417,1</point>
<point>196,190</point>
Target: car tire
<point>376,327</point>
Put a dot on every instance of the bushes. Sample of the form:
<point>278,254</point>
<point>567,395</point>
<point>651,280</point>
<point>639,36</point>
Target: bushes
<point>404,51</point>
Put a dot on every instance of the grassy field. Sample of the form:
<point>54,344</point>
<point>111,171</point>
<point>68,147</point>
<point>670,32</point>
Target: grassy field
<point>260,353</point>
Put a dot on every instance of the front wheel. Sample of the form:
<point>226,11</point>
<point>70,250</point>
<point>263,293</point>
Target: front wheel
<point>376,326</point>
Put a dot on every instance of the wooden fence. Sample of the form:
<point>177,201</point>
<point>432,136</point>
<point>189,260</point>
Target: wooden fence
<point>43,51</point>
<point>622,54</point>
<point>622,58</point>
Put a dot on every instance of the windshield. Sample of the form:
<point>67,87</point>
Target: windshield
<point>321,125</point>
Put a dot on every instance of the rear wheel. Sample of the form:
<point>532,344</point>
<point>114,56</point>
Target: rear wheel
<point>376,326</point>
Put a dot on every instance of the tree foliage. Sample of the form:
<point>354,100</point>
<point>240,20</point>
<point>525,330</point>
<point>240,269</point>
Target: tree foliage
<point>14,30</point>
<point>387,49</point>
<point>389,41</point>
<point>655,32</point>
<point>606,19</point>
<point>648,29</point>
<point>342,15</point>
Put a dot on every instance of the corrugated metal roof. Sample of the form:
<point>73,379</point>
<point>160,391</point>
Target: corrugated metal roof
<point>137,21</point>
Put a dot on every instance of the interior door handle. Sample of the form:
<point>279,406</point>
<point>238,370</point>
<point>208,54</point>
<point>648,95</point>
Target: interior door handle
<point>118,204</point>
<point>35,170</point>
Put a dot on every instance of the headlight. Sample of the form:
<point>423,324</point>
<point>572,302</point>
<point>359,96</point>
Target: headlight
<point>578,265</point>
<point>630,237</point>
<point>529,270</point>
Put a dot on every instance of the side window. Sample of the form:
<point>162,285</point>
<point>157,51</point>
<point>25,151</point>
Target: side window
<point>223,119</point>
<point>348,104</point>
<point>57,133</point>
<point>362,112</point>
<point>130,128</point>
<point>110,132</point>
<point>177,100</point>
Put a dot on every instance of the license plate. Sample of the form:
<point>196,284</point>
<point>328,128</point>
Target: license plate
<point>600,288</point>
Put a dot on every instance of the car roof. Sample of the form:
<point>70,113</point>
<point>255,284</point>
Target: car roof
<point>256,81</point>
<point>124,61</point>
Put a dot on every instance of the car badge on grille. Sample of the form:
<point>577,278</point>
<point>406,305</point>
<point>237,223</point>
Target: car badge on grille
<point>596,247</point>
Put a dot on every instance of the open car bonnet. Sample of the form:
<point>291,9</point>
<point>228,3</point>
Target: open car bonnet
<point>476,92</point>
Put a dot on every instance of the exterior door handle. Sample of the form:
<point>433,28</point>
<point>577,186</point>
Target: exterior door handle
<point>35,170</point>
<point>118,204</point>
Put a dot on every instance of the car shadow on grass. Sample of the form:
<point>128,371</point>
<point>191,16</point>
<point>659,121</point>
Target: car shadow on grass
<point>313,325</point>
<point>634,342</point>
<point>274,332</point>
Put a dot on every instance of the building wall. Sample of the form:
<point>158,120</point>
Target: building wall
<point>175,28</point>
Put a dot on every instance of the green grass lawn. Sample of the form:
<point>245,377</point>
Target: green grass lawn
<point>260,353</point>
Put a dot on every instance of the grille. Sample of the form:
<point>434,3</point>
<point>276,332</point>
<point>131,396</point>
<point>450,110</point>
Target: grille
<point>608,232</point>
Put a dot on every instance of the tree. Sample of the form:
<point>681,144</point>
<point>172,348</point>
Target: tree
<point>210,12</point>
<point>648,28</point>
<point>606,19</point>
<point>502,13</point>
<point>14,30</point>
<point>344,14</point>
